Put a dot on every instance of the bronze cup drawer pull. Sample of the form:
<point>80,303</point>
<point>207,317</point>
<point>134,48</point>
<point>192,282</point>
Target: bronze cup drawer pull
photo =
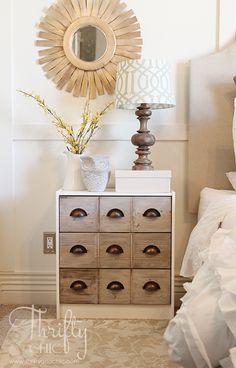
<point>78,249</point>
<point>115,213</point>
<point>78,285</point>
<point>151,286</point>
<point>115,286</point>
<point>151,213</point>
<point>114,249</point>
<point>152,250</point>
<point>78,212</point>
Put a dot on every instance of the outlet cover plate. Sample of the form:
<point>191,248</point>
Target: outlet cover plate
<point>49,243</point>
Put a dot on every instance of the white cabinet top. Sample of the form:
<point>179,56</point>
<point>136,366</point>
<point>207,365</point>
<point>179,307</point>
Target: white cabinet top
<point>111,192</point>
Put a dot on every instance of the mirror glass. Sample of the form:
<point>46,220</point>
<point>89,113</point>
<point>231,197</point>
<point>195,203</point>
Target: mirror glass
<point>89,43</point>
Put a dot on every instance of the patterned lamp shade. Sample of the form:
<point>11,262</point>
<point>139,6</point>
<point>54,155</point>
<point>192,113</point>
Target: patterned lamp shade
<point>144,81</point>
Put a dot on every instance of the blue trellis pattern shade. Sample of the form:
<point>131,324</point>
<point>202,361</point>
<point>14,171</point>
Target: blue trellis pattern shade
<point>144,81</point>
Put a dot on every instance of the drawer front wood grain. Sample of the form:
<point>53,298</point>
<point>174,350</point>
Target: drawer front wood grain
<point>78,286</point>
<point>78,250</point>
<point>114,250</point>
<point>115,214</point>
<point>151,250</point>
<point>150,287</point>
<point>78,214</point>
<point>114,286</point>
<point>152,214</point>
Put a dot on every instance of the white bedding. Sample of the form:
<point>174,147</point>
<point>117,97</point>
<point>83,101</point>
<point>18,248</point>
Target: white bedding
<point>210,220</point>
<point>203,333</point>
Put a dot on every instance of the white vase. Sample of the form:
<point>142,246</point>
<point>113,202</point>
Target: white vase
<point>73,179</point>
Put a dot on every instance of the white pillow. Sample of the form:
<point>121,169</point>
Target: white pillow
<point>200,237</point>
<point>209,196</point>
<point>232,177</point>
<point>229,221</point>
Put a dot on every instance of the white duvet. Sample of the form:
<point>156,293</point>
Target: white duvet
<point>203,333</point>
<point>216,213</point>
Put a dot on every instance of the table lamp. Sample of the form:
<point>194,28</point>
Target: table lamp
<point>146,85</point>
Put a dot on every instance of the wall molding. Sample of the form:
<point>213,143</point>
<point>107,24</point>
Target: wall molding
<point>179,281</point>
<point>27,288</point>
<point>179,289</point>
<point>109,132</point>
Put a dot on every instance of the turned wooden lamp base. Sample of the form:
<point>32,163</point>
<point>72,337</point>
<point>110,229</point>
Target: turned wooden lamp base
<point>143,139</point>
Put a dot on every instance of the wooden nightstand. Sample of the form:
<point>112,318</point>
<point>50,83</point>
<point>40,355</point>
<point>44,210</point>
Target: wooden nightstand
<point>115,254</point>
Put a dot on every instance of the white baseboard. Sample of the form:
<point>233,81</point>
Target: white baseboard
<point>40,288</point>
<point>27,288</point>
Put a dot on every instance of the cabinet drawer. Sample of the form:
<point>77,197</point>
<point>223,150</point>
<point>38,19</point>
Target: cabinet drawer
<point>151,250</point>
<point>78,214</point>
<point>114,250</point>
<point>78,286</point>
<point>114,286</point>
<point>78,250</point>
<point>150,287</point>
<point>115,214</point>
<point>152,214</point>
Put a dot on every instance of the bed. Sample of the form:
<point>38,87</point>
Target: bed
<point>203,332</point>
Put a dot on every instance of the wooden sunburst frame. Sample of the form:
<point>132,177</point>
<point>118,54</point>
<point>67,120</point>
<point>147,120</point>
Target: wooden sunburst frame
<point>123,36</point>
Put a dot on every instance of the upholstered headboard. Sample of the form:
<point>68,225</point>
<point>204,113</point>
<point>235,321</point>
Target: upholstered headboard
<point>212,93</point>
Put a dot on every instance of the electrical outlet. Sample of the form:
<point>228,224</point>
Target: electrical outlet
<point>49,243</point>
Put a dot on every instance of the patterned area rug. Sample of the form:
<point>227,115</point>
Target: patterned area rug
<point>51,343</point>
<point>20,312</point>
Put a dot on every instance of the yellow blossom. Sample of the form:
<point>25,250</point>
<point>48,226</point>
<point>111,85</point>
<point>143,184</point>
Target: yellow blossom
<point>78,141</point>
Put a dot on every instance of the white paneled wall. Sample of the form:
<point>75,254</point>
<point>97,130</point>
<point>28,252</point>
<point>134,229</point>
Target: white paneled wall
<point>32,161</point>
<point>6,158</point>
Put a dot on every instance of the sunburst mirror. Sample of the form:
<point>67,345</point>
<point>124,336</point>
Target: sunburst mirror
<point>82,41</point>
